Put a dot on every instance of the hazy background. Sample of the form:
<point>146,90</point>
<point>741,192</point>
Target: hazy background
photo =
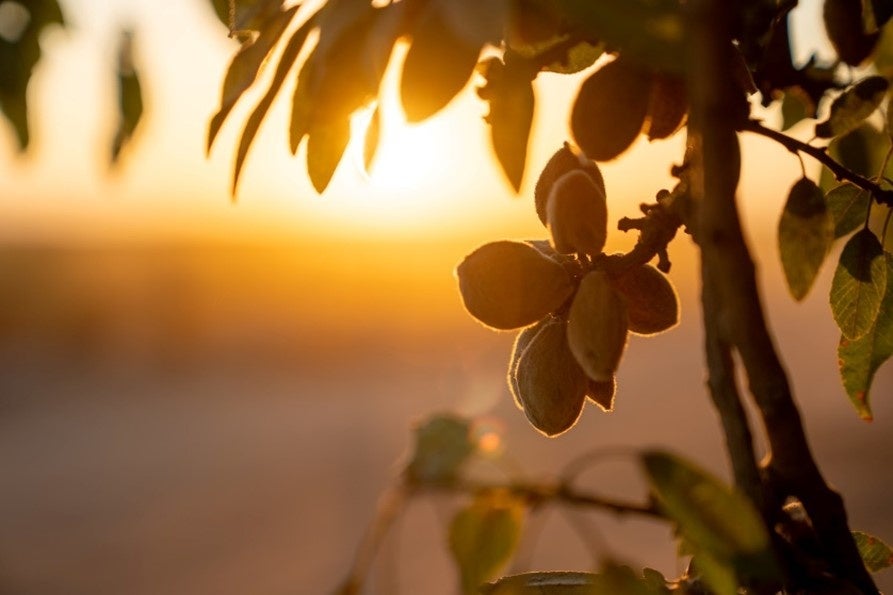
<point>200,397</point>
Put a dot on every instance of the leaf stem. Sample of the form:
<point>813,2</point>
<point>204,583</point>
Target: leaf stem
<point>821,155</point>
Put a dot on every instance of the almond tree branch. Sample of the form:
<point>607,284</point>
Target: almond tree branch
<point>739,320</point>
<point>820,154</point>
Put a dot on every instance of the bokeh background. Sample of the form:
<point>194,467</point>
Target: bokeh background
<point>201,396</point>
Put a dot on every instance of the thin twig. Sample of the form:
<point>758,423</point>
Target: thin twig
<point>820,154</point>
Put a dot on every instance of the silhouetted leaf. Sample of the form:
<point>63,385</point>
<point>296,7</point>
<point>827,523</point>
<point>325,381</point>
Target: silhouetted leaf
<point>551,385</point>
<point>876,554</point>
<point>438,65</point>
<point>859,284</point>
<point>286,61</point>
<point>883,10</point>
<point>344,70</point>
<point>851,107</point>
<point>509,285</point>
<point>130,97</point>
<point>844,23</point>
<point>509,91</point>
<point>19,54</point>
<point>848,205</point>
<point>442,445</point>
<point>326,143</point>
<point>667,106</point>
<point>610,109</point>
<point>859,359</point>
<point>805,234</point>
<point>484,536</point>
<point>720,526</point>
<point>245,66</point>
<point>652,31</point>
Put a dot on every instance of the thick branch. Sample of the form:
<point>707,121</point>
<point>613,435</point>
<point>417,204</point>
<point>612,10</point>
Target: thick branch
<point>739,319</point>
<point>820,154</point>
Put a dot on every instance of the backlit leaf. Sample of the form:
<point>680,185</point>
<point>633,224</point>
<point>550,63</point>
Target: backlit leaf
<point>130,97</point>
<point>851,107</point>
<point>551,384</point>
<point>720,526</point>
<point>876,554</point>
<point>245,66</point>
<point>848,205</point>
<point>286,61</point>
<point>862,151</point>
<point>326,143</point>
<point>578,57</point>
<point>484,536</point>
<point>442,444</point>
<point>709,514</point>
<point>509,92</point>
<point>610,109</point>
<point>859,284</point>
<point>509,285</point>
<point>860,359</point>
<point>805,234</point>
<point>438,65</point>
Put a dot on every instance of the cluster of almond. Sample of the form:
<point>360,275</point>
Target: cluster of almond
<point>575,316</point>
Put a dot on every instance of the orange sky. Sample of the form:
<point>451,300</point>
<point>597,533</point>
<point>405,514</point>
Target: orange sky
<point>168,189</point>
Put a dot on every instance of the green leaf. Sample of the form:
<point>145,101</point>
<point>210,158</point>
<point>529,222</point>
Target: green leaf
<point>509,91</point>
<point>858,285</point>
<point>805,234</point>
<point>860,359</point>
<point>484,536</point>
<point>720,526</point>
<point>794,107</point>
<point>876,554</point>
<point>613,579</point>
<point>862,151</point>
<point>438,65</point>
<point>579,56</point>
<point>245,66</point>
<point>851,107</point>
<point>848,205</point>
<point>130,98</point>
<point>652,31</point>
<point>442,445</point>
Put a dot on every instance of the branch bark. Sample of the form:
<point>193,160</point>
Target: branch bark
<point>737,318</point>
